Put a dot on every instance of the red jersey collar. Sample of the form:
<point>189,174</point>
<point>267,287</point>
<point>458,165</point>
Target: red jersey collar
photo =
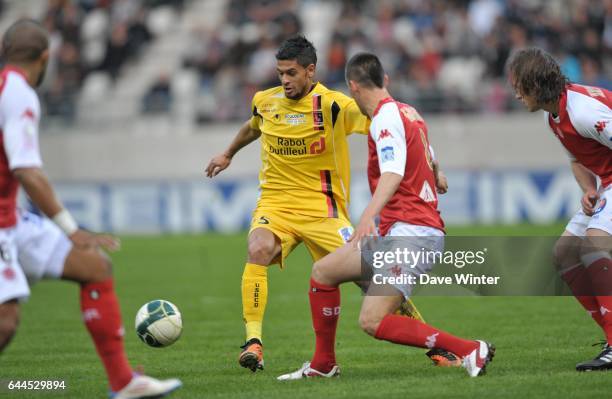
<point>562,105</point>
<point>381,103</point>
<point>16,69</point>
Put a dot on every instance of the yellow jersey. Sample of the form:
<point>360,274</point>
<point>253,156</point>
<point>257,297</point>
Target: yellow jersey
<point>304,150</point>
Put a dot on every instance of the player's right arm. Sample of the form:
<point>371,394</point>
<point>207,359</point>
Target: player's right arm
<point>354,120</point>
<point>441,180</point>
<point>20,132</point>
<point>588,183</point>
<point>41,193</point>
<point>248,133</point>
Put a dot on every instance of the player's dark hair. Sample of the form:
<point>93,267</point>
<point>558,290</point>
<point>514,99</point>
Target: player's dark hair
<point>534,72</point>
<point>297,48</point>
<point>24,41</point>
<point>365,69</point>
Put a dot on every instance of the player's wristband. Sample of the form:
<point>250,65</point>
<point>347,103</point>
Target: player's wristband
<point>64,220</point>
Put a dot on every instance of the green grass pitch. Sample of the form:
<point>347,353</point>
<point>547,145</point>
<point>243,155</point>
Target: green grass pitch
<point>539,340</point>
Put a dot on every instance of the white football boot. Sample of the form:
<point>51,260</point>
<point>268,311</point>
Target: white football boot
<point>307,372</point>
<point>143,386</point>
<point>476,361</point>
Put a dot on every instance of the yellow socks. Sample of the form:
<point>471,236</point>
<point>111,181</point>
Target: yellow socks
<point>254,298</point>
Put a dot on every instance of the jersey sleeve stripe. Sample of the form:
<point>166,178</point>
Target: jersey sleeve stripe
<point>317,113</point>
<point>326,188</point>
<point>335,110</point>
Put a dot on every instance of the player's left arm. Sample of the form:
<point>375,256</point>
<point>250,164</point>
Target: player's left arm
<point>588,184</point>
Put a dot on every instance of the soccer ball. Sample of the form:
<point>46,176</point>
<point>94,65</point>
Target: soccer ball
<point>158,323</point>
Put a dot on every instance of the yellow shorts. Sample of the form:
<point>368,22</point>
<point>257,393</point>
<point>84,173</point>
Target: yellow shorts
<point>320,235</point>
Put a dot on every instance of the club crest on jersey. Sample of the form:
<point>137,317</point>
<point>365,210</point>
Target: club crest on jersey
<point>601,206</point>
<point>384,134</point>
<point>346,233</point>
<point>295,119</point>
<point>9,274</point>
<point>28,114</point>
<point>387,154</point>
<point>600,126</point>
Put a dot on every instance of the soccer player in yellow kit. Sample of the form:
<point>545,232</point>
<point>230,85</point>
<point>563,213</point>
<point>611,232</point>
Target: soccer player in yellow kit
<point>304,178</point>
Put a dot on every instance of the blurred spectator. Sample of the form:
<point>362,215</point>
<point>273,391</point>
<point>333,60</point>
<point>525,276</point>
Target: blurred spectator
<point>158,98</point>
<point>592,74</point>
<point>112,41</point>
<point>336,59</point>
<point>117,51</point>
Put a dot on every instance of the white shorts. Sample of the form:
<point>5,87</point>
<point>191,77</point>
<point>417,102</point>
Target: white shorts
<point>37,248</point>
<point>430,239</point>
<point>601,220</point>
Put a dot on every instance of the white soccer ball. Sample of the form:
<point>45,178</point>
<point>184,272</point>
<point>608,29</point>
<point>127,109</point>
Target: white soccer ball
<point>158,323</point>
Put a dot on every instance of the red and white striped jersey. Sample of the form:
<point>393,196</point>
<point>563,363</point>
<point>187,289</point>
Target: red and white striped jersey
<point>584,127</point>
<point>398,143</point>
<point>19,119</point>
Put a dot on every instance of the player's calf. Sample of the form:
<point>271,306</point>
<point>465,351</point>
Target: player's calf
<point>566,252</point>
<point>100,310</point>
<point>596,258</point>
<point>374,310</point>
<point>338,267</point>
<point>9,321</point>
<point>318,274</point>
<point>369,323</point>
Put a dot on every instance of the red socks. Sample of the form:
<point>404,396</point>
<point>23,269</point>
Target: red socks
<point>579,283</point>
<point>406,331</point>
<point>102,318</point>
<point>600,272</point>
<point>325,309</point>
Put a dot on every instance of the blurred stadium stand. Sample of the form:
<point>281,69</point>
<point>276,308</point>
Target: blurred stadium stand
<point>443,56</point>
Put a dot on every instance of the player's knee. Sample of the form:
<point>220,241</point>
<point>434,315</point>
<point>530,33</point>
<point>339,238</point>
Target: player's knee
<point>369,323</point>
<point>317,272</point>
<point>558,254</point>
<point>101,268</point>
<point>261,252</point>
<point>321,273</point>
<point>592,252</point>
<point>9,321</point>
<point>566,252</point>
